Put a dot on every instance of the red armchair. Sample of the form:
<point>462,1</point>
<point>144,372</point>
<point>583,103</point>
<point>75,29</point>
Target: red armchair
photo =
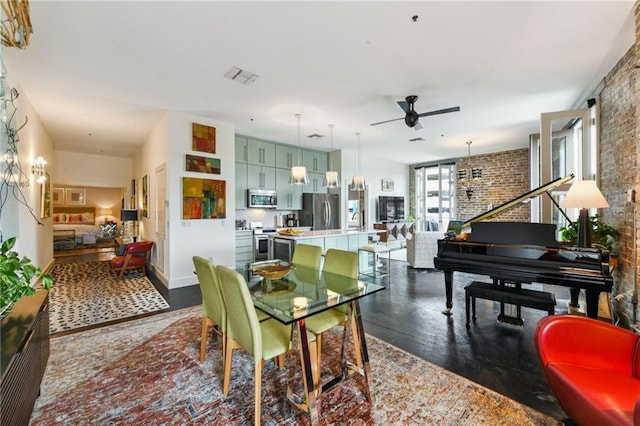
<point>136,255</point>
<point>593,369</point>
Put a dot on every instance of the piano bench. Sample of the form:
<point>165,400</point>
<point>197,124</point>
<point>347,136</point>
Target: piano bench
<point>516,296</point>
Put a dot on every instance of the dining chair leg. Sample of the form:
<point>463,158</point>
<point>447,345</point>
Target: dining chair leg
<point>228,358</point>
<point>206,322</point>
<point>280,361</point>
<point>258,390</point>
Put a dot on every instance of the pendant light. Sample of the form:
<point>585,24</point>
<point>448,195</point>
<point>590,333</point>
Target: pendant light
<point>331,179</point>
<point>299,172</point>
<point>358,183</point>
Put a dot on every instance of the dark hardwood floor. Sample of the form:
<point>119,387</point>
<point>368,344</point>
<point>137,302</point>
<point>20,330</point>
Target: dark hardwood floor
<point>408,315</point>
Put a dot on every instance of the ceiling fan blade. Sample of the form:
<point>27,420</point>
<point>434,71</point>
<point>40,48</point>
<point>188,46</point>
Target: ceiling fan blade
<point>386,121</point>
<point>418,126</point>
<point>440,111</point>
<point>404,105</point>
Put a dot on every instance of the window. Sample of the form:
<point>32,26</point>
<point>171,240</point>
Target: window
<point>435,193</point>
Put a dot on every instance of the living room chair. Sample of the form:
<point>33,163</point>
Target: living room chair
<point>307,255</point>
<point>213,310</point>
<point>593,368</point>
<point>136,256</point>
<point>263,340</point>
<point>422,247</point>
<point>337,263</point>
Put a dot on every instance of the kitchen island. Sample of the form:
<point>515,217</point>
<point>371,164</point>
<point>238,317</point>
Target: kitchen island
<point>282,246</point>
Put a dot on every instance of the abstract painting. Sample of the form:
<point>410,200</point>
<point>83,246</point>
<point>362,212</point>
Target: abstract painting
<point>204,138</point>
<point>145,196</point>
<point>195,163</point>
<point>203,198</point>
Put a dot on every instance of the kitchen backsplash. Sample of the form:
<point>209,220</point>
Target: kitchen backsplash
<point>268,217</point>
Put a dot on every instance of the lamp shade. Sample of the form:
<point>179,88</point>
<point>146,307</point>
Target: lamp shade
<point>584,194</point>
<point>299,176</point>
<point>358,183</point>
<point>331,179</point>
<point>126,215</point>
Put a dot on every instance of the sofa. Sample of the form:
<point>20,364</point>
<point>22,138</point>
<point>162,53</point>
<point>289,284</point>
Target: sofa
<point>422,247</point>
<point>593,368</point>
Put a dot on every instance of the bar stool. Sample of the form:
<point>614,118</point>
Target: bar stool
<point>376,250</point>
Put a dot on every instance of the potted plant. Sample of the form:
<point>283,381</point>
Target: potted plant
<point>601,233</point>
<point>16,275</point>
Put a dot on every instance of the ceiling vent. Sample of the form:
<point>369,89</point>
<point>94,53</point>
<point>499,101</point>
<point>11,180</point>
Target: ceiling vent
<point>419,139</point>
<point>241,76</point>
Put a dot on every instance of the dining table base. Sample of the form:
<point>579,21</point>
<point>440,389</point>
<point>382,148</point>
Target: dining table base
<point>311,379</point>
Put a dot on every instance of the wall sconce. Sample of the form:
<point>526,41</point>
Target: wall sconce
<point>38,170</point>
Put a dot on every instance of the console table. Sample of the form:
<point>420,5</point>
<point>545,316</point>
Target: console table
<point>25,351</point>
<point>396,231</point>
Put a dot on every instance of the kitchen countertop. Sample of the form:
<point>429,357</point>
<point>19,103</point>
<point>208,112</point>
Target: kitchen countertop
<point>326,233</point>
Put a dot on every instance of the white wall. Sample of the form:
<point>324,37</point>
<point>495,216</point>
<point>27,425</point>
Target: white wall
<point>73,168</point>
<point>33,240</point>
<point>214,238</point>
<point>374,170</point>
<point>152,155</point>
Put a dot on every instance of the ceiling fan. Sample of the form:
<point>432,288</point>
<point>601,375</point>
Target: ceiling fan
<point>411,117</point>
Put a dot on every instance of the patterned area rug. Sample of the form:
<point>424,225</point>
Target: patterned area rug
<point>120,375</point>
<point>88,293</point>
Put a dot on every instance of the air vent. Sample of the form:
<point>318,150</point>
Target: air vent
<point>418,139</point>
<point>315,136</point>
<point>241,76</point>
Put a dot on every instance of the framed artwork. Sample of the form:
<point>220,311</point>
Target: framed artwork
<point>75,197</point>
<point>195,163</point>
<point>145,196</point>
<point>203,198</point>
<point>45,198</point>
<point>58,196</point>
<point>387,184</point>
<point>203,138</point>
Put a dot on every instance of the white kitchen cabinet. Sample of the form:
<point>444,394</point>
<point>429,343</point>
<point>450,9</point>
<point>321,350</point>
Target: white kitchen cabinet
<point>289,196</point>
<point>259,177</point>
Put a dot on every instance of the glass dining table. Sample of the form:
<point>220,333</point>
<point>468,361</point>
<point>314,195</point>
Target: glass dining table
<point>300,294</point>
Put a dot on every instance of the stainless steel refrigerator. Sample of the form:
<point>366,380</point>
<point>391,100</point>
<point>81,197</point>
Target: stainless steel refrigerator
<point>320,211</point>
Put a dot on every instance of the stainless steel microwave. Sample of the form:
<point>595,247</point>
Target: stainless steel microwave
<point>262,198</point>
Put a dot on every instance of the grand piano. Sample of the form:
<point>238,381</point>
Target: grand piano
<point>519,252</point>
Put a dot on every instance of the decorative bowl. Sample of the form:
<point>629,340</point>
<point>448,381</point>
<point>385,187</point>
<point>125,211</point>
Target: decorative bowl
<point>290,231</point>
<point>272,271</point>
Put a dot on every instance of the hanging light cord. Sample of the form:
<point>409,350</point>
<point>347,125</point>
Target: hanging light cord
<point>358,162</point>
<point>298,118</point>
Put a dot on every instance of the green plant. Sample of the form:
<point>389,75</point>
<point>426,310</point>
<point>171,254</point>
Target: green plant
<point>411,218</point>
<point>601,233</point>
<point>16,275</point>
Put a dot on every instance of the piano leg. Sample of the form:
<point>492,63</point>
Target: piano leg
<point>575,294</point>
<point>448,288</point>
<point>593,296</point>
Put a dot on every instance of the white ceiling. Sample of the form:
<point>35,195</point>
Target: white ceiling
<point>101,74</point>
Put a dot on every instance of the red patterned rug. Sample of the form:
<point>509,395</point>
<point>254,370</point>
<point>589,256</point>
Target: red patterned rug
<point>147,372</point>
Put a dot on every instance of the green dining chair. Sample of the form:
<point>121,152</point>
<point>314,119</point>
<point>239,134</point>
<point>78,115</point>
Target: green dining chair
<point>307,255</point>
<point>213,309</point>
<point>339,263</point>
<point>263,340</point>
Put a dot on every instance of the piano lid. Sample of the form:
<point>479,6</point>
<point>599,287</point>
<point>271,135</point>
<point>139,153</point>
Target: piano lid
<point>519,199</point>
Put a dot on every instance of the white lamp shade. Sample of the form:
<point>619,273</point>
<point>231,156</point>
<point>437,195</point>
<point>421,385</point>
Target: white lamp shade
<point>584,194</point>
<point>299,176</point>
<point>358,183</point>
<point>331,179</point>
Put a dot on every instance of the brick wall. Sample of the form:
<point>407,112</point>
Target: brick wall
<point>619,128</point>
<point>505,175</point>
